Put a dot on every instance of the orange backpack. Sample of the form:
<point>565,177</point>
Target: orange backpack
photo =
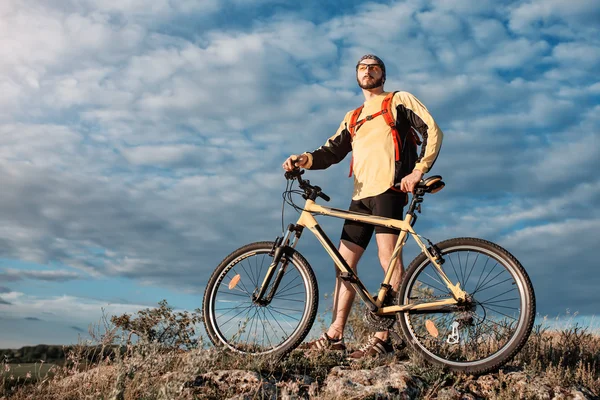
<point>386,111</point>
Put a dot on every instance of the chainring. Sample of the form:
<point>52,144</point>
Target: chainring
<point>379,323</point>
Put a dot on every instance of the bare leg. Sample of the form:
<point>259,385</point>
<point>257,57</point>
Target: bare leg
<point>385,245</point>
<point>344,293</point>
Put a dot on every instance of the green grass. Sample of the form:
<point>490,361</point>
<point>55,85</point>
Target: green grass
<point>36,370</point>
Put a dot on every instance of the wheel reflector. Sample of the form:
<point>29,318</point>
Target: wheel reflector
<point>234,281</point>
<point>430,326</point>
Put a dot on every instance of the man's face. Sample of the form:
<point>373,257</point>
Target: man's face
<point>369,74</point>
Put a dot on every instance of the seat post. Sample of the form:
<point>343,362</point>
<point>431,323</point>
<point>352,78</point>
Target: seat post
<point>417,198</point>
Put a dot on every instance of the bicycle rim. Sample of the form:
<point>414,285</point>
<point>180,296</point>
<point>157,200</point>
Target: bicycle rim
<point>247,327</point>
<point>483,334</point>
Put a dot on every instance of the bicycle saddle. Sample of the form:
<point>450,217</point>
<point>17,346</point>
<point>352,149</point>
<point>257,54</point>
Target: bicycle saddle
<point>433,184</point>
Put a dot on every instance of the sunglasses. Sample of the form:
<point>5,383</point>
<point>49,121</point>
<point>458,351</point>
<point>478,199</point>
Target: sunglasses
<point>364,67</point>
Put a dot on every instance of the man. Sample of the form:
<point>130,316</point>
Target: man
<point>378,172</point>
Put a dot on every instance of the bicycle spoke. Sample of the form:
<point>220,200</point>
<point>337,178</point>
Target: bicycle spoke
<point>496,284</point>
<point>289,283</point>
<point>289,309</point>
<point>272,328</point>
<point>243,285</point>
<point>490,321</point>
<point>432,286</point>
<point>284,314</point>
<point>465,271</point>
<point>250,276</point>
<point>460,268</point>
<point>262,320</point>
<point>482,272</point>
<point>250,306</point>
<point>245,295</point>
<point>501,301</point>
<point>484,287</point>
<point>237,289</point>
<point>453,267</point>
<point>251,323</point>
<point>288,289</point>
<point>248,310</point>
<point>484,282</point>
<point>260,274</point>
<point>235,308</point>
<point>498,295</point>
<point>277,321</point>
<point>472,268</point>
<point>498,312</point>
<point>289,294</point>
<point>286,299</point>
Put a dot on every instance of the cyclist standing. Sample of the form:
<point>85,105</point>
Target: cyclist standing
<point>386,167</point>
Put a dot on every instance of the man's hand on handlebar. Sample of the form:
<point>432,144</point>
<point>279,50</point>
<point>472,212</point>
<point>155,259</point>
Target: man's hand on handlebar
<point>295,161</point>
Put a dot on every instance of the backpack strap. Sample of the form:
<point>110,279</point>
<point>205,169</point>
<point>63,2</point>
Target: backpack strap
<point>352,129</point>
<point>386,111</point>
<point>386,108</point>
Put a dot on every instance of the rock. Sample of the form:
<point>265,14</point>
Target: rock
<point>519,385</point>
<point>384,382</point>
<point>242,383</point>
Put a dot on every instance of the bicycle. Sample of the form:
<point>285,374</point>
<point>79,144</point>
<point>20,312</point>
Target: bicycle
<point>472,315</point>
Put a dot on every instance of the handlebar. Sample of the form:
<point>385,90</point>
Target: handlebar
<point>432,184</point>
<point>310,192</point>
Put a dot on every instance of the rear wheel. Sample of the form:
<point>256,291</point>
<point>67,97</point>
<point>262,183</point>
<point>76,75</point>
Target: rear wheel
<point>233,319</point>
<point>490,327</point>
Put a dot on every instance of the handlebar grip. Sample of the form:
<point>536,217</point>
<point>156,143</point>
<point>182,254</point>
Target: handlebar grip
<point>324,196</point>
<point>294,173</point>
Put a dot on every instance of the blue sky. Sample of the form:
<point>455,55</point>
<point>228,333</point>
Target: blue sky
<point>141,144</point>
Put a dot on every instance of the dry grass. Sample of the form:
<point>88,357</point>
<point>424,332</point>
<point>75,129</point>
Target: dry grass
<point>139,368</point>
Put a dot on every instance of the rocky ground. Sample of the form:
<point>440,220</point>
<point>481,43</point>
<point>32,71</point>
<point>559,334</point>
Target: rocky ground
<point>214,374</point>
<point>394,381</point>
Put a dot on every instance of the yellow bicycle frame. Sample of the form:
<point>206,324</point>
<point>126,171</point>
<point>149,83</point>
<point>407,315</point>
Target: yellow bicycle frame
<point>404,226</point>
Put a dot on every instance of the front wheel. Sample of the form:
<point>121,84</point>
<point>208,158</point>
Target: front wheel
<point>488,329</point>
<point>235,320</point>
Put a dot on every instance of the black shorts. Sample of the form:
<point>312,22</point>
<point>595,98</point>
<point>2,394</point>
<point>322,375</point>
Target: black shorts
<point>389,204</point>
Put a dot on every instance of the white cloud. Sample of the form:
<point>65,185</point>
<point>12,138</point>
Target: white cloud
<point>159,155</point>
<point>582,55</point>
<point>530,16</point>
<point>12,274</point>
<point>128,148</point>
<point>80,310</point>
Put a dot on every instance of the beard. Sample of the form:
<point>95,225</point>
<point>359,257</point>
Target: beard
<point>371,84</point>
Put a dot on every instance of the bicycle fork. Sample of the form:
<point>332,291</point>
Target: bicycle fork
<point>281,251</point>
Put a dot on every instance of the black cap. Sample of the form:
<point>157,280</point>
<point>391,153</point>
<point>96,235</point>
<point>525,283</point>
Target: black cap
<point>373,57</point>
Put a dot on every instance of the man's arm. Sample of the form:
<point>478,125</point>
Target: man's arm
<point>421,120</point>
<point>332,152</point>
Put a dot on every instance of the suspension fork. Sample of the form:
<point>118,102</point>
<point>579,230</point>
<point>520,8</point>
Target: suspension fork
<point>282,251</point>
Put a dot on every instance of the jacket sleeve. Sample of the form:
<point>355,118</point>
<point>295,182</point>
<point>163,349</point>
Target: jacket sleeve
<point>333,151</point>
<point>421,120</point>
